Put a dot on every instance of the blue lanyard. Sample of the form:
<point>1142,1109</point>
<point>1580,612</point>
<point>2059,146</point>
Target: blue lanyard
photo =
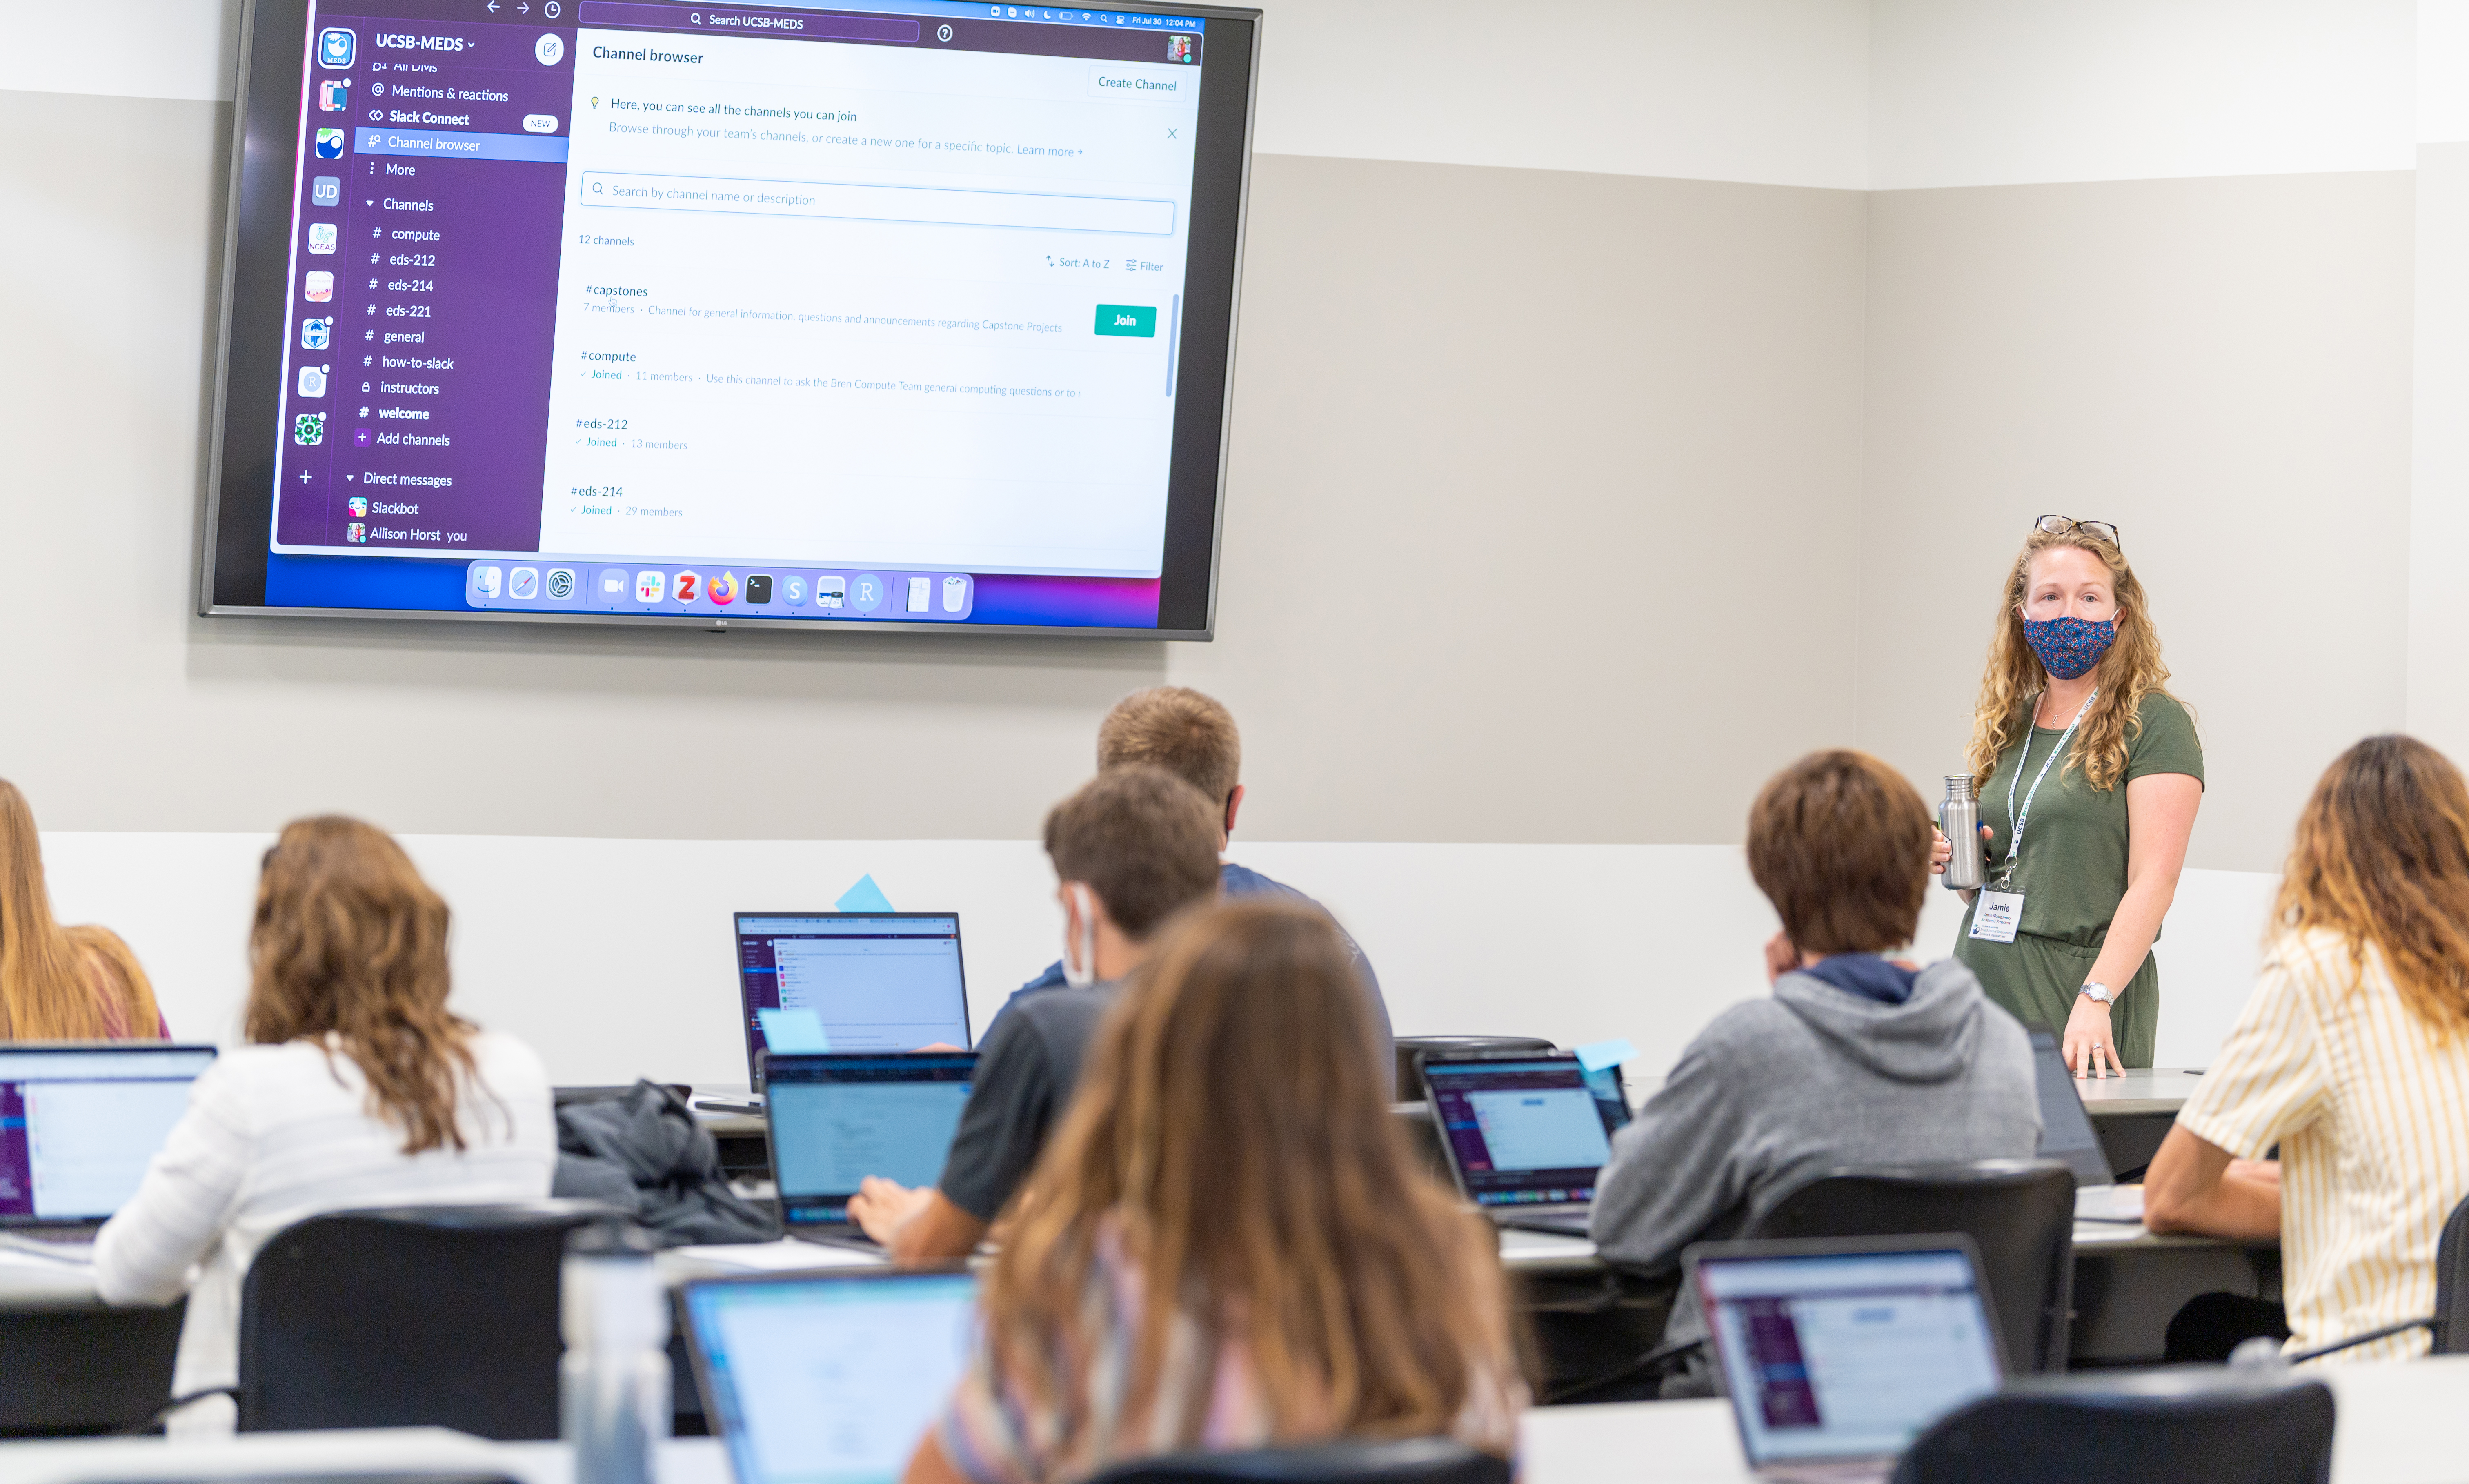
<point>2015,840</point>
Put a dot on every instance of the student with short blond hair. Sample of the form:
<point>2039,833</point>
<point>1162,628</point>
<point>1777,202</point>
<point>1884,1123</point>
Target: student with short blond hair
<point>2352,1055</point>
<point>1856,1058</point>
<point>1193,736</point>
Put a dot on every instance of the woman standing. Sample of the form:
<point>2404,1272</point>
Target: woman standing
<point>2089,774</point>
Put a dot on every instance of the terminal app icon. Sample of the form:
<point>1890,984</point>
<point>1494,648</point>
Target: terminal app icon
<point>651,586</point>
<point>335,46</point>
<point>316,334</point>
<point>758,590</point>
<point>330,143</point>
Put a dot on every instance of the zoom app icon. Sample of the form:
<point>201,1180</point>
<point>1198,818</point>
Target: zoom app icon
<point>561,583</point>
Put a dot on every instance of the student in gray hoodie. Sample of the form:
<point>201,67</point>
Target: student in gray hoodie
<point>1857,1060</point>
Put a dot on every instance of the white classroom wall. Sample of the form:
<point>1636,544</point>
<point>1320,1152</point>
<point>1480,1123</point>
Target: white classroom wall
<point>1531,819</point>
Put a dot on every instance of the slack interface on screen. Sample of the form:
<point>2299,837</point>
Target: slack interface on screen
<point>655,308</point>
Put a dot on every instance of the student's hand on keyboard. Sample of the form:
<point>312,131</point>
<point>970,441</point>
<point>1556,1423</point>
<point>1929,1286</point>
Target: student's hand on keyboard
<point>882,1207</point>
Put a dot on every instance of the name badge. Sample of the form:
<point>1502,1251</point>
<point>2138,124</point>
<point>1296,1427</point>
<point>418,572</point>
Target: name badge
<point>1998,916</point>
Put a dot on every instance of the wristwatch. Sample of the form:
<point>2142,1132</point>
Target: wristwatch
<point>2094,990</point>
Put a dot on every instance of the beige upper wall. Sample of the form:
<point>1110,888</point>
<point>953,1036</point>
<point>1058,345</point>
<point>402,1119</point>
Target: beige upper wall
<point>1516,455</point>
<point>2221,367</point>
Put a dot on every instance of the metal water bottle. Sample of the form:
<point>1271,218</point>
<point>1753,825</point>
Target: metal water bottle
<point>1958,818</point>
<point>613,1384</point>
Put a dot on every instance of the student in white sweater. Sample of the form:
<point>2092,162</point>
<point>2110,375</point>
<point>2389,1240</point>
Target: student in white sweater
<point>358,1088</point>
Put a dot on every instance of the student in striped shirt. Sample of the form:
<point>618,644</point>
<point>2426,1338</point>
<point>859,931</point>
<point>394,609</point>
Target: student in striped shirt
<point>2352,1055</point>
<point>1228,1244</point>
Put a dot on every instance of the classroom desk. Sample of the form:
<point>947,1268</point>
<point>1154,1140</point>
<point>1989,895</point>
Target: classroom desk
<point>2396,1425</point>
<point>2128,1282</point>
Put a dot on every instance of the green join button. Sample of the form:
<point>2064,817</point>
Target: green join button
<point>1139,319</point>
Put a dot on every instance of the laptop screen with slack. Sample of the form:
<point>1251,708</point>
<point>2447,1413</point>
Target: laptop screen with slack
<point>878,982</point>
<point>80,1124</point>
<point>837,1119</point>
<point>829,1377</point>
<point>1524,1130</point>
<point>1843,1349</point>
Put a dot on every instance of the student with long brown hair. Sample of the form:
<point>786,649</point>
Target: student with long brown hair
<point>2089,774</point>
<point>79,984</point>
<point>2352,1056</point>
<point>359,1087</point>
<point>1231,1154</point>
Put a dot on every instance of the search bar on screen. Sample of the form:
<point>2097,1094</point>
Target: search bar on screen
<point>922,205</point>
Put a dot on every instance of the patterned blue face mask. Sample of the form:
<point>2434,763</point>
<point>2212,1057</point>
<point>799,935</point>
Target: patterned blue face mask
<point>2069,648</point>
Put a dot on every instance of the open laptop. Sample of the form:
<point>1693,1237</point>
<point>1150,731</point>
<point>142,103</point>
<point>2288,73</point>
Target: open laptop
<point>876,981</point>
<point>836,1119</point>
<point>828,1375</point>
<point>1526,1134</point>
<point>2066,1135</point>
<point>80,1122</point>
<point>1837,1353</point>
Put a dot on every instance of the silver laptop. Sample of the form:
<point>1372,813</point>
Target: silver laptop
<point>1526,1134</point>
<point>1837,1353</point>
<point>874,981</point>
<point>79,1125</point>
<point>2068,1135</point>
<point>830,1376</point>
<point>834,1120</point>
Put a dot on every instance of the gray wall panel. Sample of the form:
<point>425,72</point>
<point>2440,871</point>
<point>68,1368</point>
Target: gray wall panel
<point>2221,367</point>
<point>1522,461</point>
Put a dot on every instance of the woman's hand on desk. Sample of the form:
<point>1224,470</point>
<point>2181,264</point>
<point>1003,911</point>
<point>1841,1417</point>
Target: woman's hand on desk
<point>2088,1043</point>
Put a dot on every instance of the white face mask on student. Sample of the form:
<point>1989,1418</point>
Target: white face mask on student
<point>1082,971</point>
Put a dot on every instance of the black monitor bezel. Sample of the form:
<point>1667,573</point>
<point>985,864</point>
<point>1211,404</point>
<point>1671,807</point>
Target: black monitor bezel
<point>238,499</point>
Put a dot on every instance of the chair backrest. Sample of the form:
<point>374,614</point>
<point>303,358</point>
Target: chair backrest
<point>1413,1049</point>
<point>2019,1212</point>
<point>1394,1461</point>
<point>410,1316</point>
<point>2452,1284</point>
<point>2187,1426</point>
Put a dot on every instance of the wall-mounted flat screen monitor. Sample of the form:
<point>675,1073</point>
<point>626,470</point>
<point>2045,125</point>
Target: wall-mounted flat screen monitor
<point>910,314</point>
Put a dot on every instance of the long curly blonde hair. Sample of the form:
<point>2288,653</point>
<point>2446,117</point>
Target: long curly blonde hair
<point>2015,677</point>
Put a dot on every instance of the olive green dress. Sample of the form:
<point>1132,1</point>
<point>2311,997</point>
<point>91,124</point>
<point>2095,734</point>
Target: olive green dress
<point>2072,874</point>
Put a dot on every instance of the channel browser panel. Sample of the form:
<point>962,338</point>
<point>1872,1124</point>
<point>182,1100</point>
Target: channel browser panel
<point>647,309</point>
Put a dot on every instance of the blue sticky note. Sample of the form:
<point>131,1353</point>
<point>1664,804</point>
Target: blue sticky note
<point>1595,1055</point>
<point>790,1031</point>
<point>865,896</point>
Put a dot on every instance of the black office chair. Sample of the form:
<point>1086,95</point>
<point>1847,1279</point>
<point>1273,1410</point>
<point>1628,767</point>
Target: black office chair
<point>1395,1461</point>
<point>2187,1426</point>
<point>2452,1284</point>
<point>410,1316</point>
<point>2019,1212</point>
<point>1413,1049</point>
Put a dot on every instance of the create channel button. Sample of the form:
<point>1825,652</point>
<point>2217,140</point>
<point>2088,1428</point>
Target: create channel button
<point>1139,319</point>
